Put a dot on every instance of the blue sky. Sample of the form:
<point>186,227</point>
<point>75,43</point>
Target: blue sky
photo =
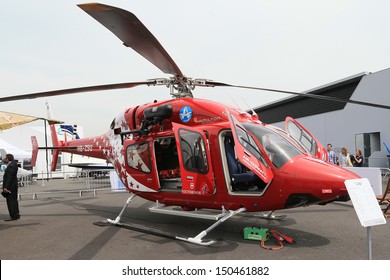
<point>290,45</point>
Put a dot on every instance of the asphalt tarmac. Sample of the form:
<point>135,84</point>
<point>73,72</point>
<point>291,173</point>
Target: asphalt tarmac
<point>60,226</point>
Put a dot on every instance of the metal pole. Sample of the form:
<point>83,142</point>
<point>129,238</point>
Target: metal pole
<point>369,243</point>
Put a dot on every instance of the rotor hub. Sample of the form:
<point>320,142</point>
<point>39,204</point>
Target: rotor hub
<point>180,87</point>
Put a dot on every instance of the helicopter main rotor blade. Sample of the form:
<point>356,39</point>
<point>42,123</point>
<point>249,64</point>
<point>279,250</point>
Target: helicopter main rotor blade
<point>75,90</point>
<point>128,28</point>
<point>328,98</point>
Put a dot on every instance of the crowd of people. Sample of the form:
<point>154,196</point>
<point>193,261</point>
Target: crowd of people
<point>345,159</point>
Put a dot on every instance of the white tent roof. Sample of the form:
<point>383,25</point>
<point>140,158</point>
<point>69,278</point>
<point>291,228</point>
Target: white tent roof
<point>10,149</point>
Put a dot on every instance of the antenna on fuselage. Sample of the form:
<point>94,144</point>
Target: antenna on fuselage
<point>255,116</point>
<point>235,103</point>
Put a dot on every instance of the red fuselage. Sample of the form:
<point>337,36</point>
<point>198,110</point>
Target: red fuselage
<point>177,152</point>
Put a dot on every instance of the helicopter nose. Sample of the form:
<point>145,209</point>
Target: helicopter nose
<point>318,182</point>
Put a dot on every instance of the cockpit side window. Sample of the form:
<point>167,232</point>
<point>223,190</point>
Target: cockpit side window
<point>278,149</point>
<point>307,141</point>
<point>248,143</point>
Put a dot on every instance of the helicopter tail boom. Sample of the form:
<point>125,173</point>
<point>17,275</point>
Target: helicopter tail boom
<point>90,146</point>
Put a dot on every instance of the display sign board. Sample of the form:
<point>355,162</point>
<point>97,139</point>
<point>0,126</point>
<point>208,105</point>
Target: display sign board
<point>365,202</point>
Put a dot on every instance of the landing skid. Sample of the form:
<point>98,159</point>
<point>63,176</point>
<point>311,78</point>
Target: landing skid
<point>267,216</point>
<point>140,228</point>
<point>270,216</point>
<point>198,240</point>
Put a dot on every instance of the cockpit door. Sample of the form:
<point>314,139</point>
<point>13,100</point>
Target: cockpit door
<point>305,138</point>
<point>247,151</point>
<point>195,161</point>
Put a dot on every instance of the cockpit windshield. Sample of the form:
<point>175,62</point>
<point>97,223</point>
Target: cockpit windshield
<point>279,149</point>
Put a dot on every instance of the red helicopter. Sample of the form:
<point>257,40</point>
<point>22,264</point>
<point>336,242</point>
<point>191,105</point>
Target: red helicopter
<point>198,154</point>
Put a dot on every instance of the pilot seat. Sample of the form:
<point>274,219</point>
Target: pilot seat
<point>241,178</point>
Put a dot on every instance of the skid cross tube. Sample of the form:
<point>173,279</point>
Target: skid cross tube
<point>198,239</point>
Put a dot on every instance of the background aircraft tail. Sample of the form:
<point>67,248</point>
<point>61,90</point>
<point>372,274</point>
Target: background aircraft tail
<point>35,147</point>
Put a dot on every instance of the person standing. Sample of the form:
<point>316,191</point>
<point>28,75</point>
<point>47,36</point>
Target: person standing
<point>345,159</point>
<point>358,158</point>
<point>331,154</point>
<point>10,187</point>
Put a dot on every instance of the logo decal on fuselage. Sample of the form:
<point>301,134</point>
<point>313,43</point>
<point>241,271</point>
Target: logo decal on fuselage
<point>185,114</point>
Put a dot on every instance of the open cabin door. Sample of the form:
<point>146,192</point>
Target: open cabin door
<point>195,161</point>
<point>247,151</point>
<point>141,174</point>
<point>305,138</point>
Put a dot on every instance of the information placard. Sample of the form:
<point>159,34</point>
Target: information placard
<point>365,202</point>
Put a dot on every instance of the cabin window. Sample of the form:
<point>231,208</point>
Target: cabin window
<point>193,151</point>
<point>138,157</point>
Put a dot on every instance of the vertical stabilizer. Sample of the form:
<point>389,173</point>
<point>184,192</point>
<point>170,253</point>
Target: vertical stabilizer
<point>54,138</point>
<point>56,146</point>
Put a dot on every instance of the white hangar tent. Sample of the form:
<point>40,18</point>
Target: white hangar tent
<point>7,148</point>
<point>343,124</point>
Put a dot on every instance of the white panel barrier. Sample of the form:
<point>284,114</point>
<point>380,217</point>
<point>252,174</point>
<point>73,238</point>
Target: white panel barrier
<point>373,175</point>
